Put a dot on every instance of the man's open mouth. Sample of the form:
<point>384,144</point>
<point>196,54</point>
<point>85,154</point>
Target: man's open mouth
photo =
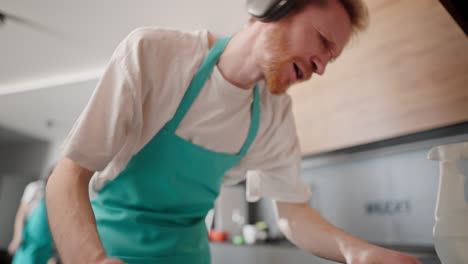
<point>299,73</point>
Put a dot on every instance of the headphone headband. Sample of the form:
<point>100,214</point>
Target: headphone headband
<point>269,10</point>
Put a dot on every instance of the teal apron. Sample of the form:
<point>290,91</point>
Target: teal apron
<point>154,211</point>
<point>37,246</point>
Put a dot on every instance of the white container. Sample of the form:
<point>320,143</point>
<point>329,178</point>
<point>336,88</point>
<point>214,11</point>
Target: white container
<point>451,215</point>
<point>249,232</point>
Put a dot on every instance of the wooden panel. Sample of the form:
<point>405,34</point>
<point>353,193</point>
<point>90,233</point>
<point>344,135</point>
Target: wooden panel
<point>407,73</point>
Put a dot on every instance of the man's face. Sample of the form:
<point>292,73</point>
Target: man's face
<point>302,44</point>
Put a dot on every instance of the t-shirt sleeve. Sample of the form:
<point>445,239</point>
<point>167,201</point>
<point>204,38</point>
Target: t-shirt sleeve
<point>273,164</point>
<point>101,129</point>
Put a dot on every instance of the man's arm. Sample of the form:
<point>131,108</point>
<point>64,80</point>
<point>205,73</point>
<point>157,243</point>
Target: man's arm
<point>18,229</point>
<point>71,218</point>
<point>307,229</point>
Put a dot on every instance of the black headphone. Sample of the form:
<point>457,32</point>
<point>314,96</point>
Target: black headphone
<point>269,10</point>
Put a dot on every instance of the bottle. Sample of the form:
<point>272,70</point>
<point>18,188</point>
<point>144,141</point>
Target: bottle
<point>451,215</point>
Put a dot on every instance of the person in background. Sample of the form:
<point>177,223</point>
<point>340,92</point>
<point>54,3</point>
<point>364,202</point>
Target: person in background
<point>32,242</point>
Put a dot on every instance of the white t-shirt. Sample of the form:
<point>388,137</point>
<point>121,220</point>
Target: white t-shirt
<point>32,195</point>
<point>140,91</point>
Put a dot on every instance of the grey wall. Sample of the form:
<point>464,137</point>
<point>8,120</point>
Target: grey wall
<point>20,163</point>
<point>387,196</point>
<point>11,189</point>
<point>388,199</point>
<point>24,157</point>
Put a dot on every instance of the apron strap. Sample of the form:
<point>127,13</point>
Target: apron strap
<point>198,82</point>
<point>254,123</point>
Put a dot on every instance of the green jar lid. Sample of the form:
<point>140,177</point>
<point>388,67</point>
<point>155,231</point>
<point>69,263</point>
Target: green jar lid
<point>238,240</point>
<point>261,225</point>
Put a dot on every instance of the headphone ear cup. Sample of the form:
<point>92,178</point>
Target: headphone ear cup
<point>269,10</point>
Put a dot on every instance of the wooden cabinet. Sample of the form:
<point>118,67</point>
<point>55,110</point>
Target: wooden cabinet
<point>407,73</point>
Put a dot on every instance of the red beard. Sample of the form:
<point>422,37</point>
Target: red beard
<point>273,70</point>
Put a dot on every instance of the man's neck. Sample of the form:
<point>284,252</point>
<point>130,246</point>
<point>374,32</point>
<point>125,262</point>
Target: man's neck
<point>239,62</point>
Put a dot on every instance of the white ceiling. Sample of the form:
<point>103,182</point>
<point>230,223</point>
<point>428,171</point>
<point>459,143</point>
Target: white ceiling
<point>50,74</point>
<point>47,113</point>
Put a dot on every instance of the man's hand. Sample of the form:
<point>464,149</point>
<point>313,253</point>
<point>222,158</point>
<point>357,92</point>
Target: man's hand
<point>378,255</point>
<point>306,228</point>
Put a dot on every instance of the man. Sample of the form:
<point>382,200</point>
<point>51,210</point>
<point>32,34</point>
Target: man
<point>32,242</point>
<point>162,150</point>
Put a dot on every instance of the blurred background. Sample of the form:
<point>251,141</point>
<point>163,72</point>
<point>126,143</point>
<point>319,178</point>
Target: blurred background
<point>365,127</point>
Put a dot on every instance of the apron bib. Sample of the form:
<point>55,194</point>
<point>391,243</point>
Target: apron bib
<point>154,211</point>
<point>37,246</point>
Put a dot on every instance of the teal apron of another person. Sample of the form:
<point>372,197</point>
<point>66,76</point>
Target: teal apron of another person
<point>37,246</point>
<point>154,211</point>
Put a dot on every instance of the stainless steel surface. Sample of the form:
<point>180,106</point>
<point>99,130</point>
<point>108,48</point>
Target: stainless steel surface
<point>285,252</point>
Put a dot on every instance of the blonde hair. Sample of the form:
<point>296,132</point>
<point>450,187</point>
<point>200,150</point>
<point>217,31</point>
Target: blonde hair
<point>358,14</point>
<point>356,9</point>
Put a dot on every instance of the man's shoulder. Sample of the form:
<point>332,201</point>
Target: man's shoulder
<point>32,189</point>
<point>160,37</point>
<point>36,184</point>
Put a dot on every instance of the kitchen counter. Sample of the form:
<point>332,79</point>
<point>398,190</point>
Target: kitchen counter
<point>284,252</point>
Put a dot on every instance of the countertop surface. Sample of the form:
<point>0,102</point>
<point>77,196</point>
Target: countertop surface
<point>267,252</point>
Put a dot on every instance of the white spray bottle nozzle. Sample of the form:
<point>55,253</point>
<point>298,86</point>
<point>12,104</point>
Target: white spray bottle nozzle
<point>450,152</point>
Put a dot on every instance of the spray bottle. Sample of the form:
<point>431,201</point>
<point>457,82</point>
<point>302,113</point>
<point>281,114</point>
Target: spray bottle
<point>451,214</point>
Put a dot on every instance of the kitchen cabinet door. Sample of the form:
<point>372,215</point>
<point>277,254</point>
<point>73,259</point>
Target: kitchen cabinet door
<point>407,73</point>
